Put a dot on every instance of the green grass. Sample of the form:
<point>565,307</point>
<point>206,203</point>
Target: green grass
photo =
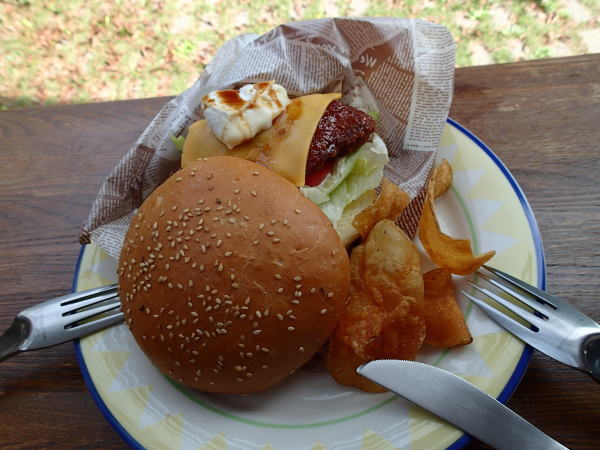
<point>70,51</point>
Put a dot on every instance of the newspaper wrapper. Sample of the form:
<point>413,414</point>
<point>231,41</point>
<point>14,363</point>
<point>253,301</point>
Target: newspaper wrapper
<point>402,68</point>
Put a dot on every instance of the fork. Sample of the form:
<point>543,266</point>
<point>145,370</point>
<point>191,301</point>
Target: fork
<point>557,328</point>
<point>62,319</point>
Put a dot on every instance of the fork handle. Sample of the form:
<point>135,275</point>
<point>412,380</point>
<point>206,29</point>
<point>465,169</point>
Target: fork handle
<point>591,351</point>
<point>13,338</point>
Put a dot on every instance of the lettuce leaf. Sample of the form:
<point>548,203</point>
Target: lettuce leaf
<point>351,177</point>
<point>178,141</point>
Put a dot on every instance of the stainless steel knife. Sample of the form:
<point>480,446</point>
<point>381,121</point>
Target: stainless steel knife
<point>459,402</point>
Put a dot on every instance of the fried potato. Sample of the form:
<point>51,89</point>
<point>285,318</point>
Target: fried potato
<point>446,325</point>
<point>388,205</point>
<point>442,177</point>
<point>385,313</point>
<point>447,252</point>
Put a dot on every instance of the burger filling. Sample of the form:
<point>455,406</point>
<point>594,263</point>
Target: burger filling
<point>326,148</point>
<point>342,130</point>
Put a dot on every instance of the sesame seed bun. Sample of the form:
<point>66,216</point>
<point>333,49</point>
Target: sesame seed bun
<point>231,279</point>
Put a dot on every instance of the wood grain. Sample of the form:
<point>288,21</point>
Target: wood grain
<point>540,118</point>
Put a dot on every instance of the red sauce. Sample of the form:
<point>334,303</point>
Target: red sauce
<point>316,177</point>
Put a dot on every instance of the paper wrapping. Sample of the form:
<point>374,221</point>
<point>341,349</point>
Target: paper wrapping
<point>403,68</point>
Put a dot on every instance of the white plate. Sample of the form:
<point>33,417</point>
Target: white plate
<point>309,410</point>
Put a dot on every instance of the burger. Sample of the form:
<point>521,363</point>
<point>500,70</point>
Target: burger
<point>230,278</point>
<point>234,271</point>
<point>328,149</point>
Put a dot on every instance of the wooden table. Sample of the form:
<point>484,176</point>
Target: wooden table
<point>542,119</point>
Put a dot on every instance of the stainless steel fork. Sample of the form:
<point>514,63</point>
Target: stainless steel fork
<point>62,319</point>
<point>557,329</point>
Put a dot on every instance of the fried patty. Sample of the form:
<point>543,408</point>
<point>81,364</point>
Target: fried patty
<point>341,130</point>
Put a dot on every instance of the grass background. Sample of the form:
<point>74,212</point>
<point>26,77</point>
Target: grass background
<point>72,51</point>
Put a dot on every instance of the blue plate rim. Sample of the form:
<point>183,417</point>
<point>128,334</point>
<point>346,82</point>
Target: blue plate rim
<point>504,395</point>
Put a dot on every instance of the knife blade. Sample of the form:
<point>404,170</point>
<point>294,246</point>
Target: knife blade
<point>459,402</point>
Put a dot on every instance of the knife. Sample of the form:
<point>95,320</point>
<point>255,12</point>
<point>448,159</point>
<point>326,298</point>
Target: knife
<point>458,402</point>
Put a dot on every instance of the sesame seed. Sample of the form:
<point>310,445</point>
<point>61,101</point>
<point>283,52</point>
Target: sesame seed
<point>297,211</point>
<point>228,254</point>
<point>278,276</point>
<point>323,311</point>
<point>256,332</point>
<point>330,294</point>
<point>276,240</point>
<point>261,226</point>
<point>291,328</point>
<point>280,290</point>
<point>297,278</point>
<point>313,290</point>
<point>301,349</point>
<point>178,179</point>
<point>255,173</point>
<point>253,193</point>
<point>270,233</point>
<point>279,316</point>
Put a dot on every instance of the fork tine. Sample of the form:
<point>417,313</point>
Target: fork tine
<point>561,307</point>
<point>76,297</point>
<point>73,318</point>
<point>88,301</point>
<point>503,320</point>
<point>532,303</point>
<point>96,325</point>
<point>524,314</point>
<point>551,300</point>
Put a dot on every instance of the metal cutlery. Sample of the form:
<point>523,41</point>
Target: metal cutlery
<point>459,402</point>
<point>62,319</point>
<point>557,328</point>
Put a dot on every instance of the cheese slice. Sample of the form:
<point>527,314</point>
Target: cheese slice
<point>283,148</point>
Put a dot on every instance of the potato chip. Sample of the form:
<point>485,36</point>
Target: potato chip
<point>445,251</point>
<point>442,177</point>
<point>385,313</point>
<point>446,325</point>
<point>388,205</point>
